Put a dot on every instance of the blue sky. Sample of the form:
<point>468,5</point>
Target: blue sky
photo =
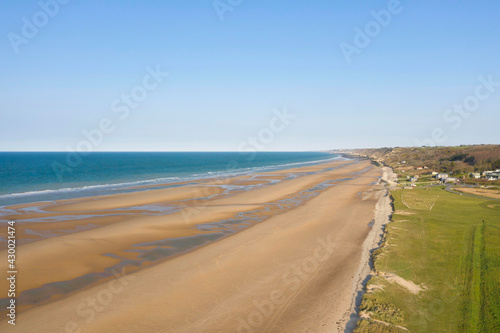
<point>227,77</point>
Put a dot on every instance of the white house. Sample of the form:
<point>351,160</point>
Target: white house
<point>492,175</point>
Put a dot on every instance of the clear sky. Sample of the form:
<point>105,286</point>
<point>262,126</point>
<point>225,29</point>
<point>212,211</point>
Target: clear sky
<point>227,77</point>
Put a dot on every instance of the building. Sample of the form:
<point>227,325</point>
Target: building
<point>476,175</point>
<point>450,180</point>
<point>413,179</point>
<point>442,175</point>
<point>492,175</point>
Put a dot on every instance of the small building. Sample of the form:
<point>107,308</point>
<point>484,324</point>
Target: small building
<point>434,173</point>
<point>413,179</point>
<point>476,175</point>
<point>492,175</point>
<point>450,180</point>
<point>442,175</point>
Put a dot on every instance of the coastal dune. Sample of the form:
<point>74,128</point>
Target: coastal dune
<point>292,272</point>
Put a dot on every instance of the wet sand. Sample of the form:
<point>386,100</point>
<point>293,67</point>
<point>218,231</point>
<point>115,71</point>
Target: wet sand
<point>288,264</point>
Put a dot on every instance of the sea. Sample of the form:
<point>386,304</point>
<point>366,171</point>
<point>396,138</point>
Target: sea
<point>46,176</point>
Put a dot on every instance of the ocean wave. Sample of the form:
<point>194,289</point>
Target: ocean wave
<point>92,187</point>
<point>109,188</point>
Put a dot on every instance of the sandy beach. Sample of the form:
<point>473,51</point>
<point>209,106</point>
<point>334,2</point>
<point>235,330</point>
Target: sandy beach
<point>276,252</point>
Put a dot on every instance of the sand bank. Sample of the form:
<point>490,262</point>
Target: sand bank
<point>290,273</point>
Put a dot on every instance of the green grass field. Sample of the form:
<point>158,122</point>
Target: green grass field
<point>447,244</point>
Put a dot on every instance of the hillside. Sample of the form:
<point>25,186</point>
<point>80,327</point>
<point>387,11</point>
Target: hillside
<point>453,160</point>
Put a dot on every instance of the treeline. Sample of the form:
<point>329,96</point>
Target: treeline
<point>455,160</point>
<point>480,164</point>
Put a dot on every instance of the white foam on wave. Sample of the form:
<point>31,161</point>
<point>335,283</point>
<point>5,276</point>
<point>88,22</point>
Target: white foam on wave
<point>163,180</point>
<point>92,187</point>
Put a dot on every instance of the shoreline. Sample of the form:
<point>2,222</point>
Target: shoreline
<point>355,190</point>
<point>382,216</point>
<point>195,207</point>
<point>102,189</point>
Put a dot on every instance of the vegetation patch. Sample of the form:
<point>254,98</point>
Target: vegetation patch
<point>453,250</point>
<point>483,192</point>
<point>453,160</point>
<point>370,326</point>
<point>382,311</point>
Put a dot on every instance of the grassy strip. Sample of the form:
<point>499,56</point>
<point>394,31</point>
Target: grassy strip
<point>490,279</point>
<point>466,276</point>
<point>453,250</point>
<point>476,297</point>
